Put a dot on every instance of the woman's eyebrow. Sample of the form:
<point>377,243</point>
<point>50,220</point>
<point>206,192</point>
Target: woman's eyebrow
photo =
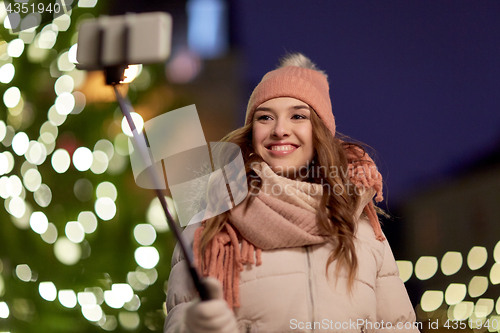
<point>262,109</point>
<point>299,107</point>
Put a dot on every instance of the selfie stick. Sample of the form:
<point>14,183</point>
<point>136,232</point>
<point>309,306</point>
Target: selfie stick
<point>114,74</point>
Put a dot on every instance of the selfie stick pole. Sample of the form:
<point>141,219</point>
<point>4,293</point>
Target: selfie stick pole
<point>114,75</point>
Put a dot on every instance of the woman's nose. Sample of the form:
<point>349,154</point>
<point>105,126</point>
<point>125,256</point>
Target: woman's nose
<point>281,129</point>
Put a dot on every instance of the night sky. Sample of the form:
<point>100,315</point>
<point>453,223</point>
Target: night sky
<point>419,81</point>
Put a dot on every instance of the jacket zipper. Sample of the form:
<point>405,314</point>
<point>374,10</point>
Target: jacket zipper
<point>309,274</point>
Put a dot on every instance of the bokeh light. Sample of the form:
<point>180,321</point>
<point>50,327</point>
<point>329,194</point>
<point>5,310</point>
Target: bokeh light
<point>15,48</point>
<point>461,311</point>
<point>478,286</point>
<point>129,320</point>
<point>6,162</point>
<point>37,153</point>
<point>17,207</point>
<point>83,189</point>
<point>496,253</point>
<point>67,298</point>
<point>122,291</point>
<point>100,162</point>
<point>80,102</point>
<point>43,196</point>
<point>455,293</point>
<point>50,235</point>
<point>16,187</point>
<point>74,232</point>
<point>483,307</point>
<point>133,305</point>
<point>426,267</point>
<point>62,22</point>
<point>82,159</point>
<point>431,300</point>
<point>47,37</point>
<point>477,257</point>
<point>39,222</point>
<point>495,273</point>
<point>60,160</point>
<point>405,269</point>
<point>92,313</point>
<point>20,143</point>
<point>87,299</point>
<point>64,84</point>
<point>156,216</point>
<point>23,272</point>
<point>147,256</point>
<point>88,221</point>
<point>106,190</point>
<point>138,280</point>
<point>138,122</point>
<point>105,146</point>
<point>65,103</point>
<point>105,208</point>
<point>112,300</point>
<point>32,180</point>
<point>110,323</point>
<point>7,73</point>
<point>12,97</point>
<point>47,291</point>
<point>67,252</point>
<point>121,144</point>
<point>145,234</point>
<point>4,310</point>
<point>55,117</point>
<point>64,64</point>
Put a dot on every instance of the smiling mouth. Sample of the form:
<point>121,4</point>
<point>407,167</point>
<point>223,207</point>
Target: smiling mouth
<point>282,147</point>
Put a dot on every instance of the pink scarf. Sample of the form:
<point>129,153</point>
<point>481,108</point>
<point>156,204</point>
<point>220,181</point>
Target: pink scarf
<point>282,215</point>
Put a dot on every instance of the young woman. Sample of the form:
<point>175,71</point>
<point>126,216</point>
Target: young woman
<point>304,251</point>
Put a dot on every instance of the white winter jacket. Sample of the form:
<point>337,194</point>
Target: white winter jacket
<point>290,291</point>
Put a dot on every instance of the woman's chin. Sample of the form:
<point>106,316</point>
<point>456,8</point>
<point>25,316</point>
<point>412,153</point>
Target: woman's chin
<point>290,172</point>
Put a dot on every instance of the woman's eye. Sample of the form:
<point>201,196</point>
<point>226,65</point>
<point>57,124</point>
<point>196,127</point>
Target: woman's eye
<point>299,116</point>
<point>264,117</point>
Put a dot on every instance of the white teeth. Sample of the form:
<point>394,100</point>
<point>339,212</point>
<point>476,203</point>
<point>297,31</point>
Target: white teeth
<point>286,147</point>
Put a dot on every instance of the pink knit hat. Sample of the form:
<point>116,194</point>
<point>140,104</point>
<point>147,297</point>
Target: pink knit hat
<point>307,85</point>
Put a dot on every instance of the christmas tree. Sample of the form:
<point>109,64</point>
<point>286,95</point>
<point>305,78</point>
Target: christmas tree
<point>82,247</point>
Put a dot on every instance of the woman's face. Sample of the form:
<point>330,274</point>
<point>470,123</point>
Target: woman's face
<point>282,136</point>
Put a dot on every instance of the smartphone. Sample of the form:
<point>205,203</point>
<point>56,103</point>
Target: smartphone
<point>124,40</point>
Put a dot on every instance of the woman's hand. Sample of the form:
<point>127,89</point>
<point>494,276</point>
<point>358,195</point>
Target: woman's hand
<point>213,316</point>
